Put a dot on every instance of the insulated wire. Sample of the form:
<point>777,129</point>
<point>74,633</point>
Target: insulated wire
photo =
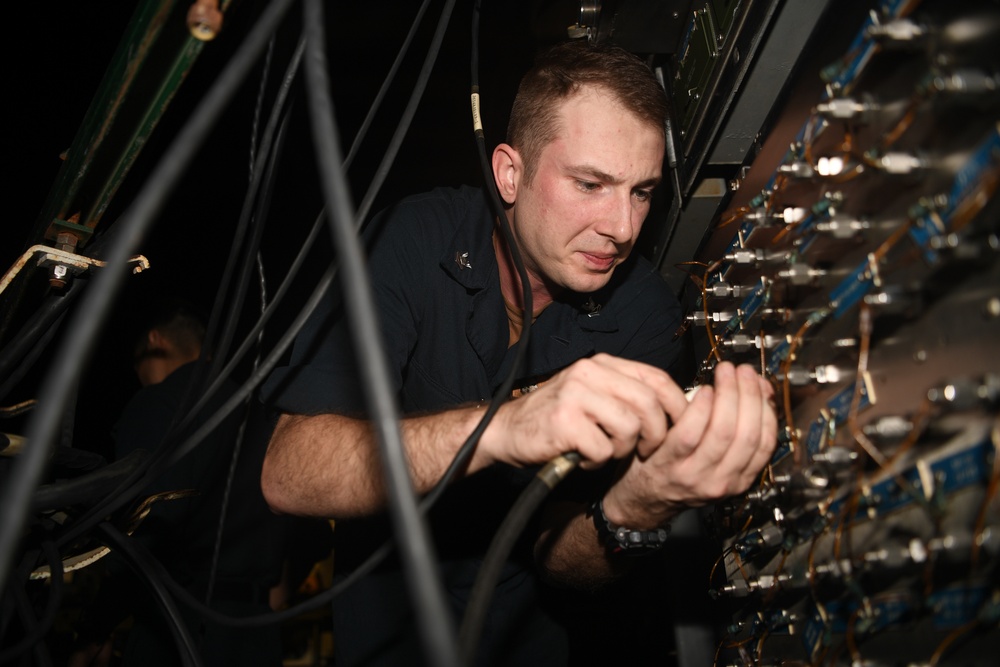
<point>44,319</point>
<point>116,499</point>
<point>407,116</point>
<point>379,555</point>
<point>139,560</point>
<point>538,489</point>
<point>425,586</point>
<point>246,218</point>
<point>28,361</point>
<point>135,222</point>
<point>503,391</point>
<point>377,102</point>
<point>37,633</point>
<point>260,215</point>
<point>506,536</point>
<point>153,464</point>
<point>27,469</point>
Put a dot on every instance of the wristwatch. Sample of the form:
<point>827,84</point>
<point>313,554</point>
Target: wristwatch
<point>619,539</point>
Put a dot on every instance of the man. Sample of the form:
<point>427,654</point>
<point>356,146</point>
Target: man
<point>181,533</point>
<point>584,152</point>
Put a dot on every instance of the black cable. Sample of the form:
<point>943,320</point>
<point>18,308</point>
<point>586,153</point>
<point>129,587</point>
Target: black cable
<point>29,359</point>
<point>411,531</point>
<point>86,488</point>
<point>234,458</point>
<point>504,540</point>
<point>503,392</point>
<point>386,83</point>
<point>257,107</point>
<point>148,570</point>
<point>321,600</point>
<point>26,613</point>
<point>158,455</point>
<point>134,483</point>
<point>277,111</point>
<point>518,516</point>
<point>39,628</point>
<point>27,469</point>
<point>380,554</point>
<point>260,215</point>
<point>407,116</point>
<point>269,143</point>
<point>115,501</point>
<point>42,320</point>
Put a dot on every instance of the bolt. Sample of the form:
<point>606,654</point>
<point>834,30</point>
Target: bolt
<point>57,278</point>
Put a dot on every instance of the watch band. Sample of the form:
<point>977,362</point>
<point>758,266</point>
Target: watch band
<point>619,539</point>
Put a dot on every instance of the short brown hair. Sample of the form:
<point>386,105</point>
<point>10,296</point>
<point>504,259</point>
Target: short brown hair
<point>560,72</point>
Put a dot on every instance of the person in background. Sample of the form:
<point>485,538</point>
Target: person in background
<point>181,533</point>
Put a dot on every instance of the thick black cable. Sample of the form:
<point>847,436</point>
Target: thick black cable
<point>386,83</point>
<point>135,482</point>
<point>252,169</point>
<point>153,465</point>
<point>145,567</point>
<point>42,320</point>
<point>407,116</point>
<point>379,555</point>
<point>42,625</point>
<point>255,210</point>
<point>115,501</point>
<point>412,535</point>
<point>257,108</point>
<point>535,493</point>
<point>264,204</point>
<point>135,221</point>
<point>42,656</point>
<point>220,347</point>
<point>504,391</point>
<point>270,618</point>
<point>84,489</point>
<point>29,359</point>
<point>503,542</point>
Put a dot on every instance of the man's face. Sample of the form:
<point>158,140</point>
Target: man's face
<point>582,212</point>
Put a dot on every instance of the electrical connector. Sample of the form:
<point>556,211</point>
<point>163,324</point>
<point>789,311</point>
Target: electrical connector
<point>800,274</point>
<point>844,108</point>
<point>842,226</point>
<point>901,30</point>
<point>699,318</point>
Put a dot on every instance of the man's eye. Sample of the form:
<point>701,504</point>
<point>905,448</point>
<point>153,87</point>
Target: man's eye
<point>642,195</point>
<point>587,186</point>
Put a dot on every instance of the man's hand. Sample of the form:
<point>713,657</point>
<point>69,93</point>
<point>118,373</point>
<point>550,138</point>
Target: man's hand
<point>716,447</point>
<point>603,407</point>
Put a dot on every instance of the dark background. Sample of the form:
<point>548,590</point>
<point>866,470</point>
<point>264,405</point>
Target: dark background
<point>53,77</point>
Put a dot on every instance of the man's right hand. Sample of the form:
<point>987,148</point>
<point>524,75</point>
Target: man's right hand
<point>603,407</point>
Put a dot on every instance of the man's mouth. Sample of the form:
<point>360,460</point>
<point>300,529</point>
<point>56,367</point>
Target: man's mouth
<point>599,261</point>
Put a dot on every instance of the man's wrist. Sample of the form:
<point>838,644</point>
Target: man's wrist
<point>618,539</point>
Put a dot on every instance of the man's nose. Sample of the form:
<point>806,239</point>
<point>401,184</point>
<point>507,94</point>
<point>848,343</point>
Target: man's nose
<point>618,221</point>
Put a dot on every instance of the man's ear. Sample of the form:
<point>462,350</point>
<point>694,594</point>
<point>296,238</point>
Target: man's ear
<point>507,170</point>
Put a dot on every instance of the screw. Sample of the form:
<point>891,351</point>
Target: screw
<point>57,278</point>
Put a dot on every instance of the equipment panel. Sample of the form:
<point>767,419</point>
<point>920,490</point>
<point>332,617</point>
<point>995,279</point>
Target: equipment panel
<point>863,278</point>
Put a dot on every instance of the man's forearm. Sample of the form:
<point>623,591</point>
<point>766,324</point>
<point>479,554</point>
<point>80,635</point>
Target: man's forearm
<point>329,465</point>
<point>569,552</point>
